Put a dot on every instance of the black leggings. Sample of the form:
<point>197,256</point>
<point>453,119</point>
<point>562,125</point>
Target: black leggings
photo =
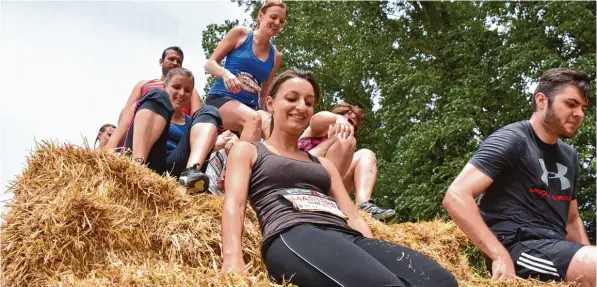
<point>318,256</point>
<point>158,159</point>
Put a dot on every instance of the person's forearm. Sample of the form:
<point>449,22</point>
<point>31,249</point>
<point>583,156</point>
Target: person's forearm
<point>577,233</point>
<point>215,69</point>
<point>232,229</point>
<point>322,120</point>
<point>465,214</point>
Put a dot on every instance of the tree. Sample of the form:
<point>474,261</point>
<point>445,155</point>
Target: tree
<point>436,78</point>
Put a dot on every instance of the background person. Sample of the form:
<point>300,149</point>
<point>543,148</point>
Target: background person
<point>251,61</point>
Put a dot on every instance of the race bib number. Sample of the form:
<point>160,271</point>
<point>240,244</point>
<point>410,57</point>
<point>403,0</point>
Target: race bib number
<point>248,82</point>
<point>311,200</point>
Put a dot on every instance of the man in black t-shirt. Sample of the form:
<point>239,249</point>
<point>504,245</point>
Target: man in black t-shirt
<point>527,220</point>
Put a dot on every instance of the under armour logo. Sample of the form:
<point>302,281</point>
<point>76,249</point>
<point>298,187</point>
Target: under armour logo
<point>562,169</point>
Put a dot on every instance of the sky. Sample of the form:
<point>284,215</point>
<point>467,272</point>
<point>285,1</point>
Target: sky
<point>68,67</point>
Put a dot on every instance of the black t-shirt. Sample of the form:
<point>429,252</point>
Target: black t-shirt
<point>534,183</point>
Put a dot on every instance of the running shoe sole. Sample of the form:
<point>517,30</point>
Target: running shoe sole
<point>385,216</point>
<point>201,184</point>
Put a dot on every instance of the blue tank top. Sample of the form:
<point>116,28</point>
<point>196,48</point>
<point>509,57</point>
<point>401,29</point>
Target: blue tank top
<point>249,69</point>
<point>175,132</point>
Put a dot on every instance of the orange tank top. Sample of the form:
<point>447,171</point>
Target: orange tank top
<point>152,84</point>
<point>159,84</point>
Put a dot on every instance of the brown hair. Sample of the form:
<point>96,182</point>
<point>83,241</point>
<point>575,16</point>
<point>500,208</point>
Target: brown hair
<point>288,75</point>
<point>181,72</point>
<point>101,130</point>
<point>343,109</point>
<point>553,80</point>
<point>271,3</point>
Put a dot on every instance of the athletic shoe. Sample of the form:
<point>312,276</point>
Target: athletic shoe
<point>376,212</point>
<point>193,178</point>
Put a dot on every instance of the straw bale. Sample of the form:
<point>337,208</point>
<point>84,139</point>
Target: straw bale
<point>192,236</point>
<point>158,273</point>
<point>82,217</point>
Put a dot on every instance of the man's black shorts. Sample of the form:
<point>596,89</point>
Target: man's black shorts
<point>547,259</point>
<point>543,259</point>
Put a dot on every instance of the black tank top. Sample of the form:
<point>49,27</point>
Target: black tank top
<point>272,173</point>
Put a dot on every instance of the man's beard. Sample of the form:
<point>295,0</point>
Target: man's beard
<point>556,124</point>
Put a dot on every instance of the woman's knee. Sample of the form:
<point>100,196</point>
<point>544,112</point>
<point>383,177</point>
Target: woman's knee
<point>366,154</point>
<point>252,119</point>
<point>207,114</point>
<point>446,278</point>
<point>207,110</point>
<point>437,274</point>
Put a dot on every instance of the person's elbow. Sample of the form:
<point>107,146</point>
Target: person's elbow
<point>316,122</point>
<point>207,65</point>
<point>451,197</point>
<point>210,65</point>
<point>574,219</point>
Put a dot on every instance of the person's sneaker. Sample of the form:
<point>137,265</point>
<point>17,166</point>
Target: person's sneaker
<point>195,179</point>
<point>376,212</point>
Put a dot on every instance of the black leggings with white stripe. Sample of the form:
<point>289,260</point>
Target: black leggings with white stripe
<point>319,256</point>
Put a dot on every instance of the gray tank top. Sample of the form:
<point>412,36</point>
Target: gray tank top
<point>270,176</point>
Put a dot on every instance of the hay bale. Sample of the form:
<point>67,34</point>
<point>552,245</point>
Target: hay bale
<point>82,217</point>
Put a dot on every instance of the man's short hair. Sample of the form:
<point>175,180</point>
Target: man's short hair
<point>173,48</point>
<point>553,80</point>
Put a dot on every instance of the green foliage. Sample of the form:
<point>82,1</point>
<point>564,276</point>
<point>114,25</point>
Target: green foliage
<point>436,78</point>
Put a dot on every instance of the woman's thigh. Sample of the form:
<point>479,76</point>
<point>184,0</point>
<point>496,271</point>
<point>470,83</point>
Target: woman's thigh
<point>234,114</point>
<point>309,255</point>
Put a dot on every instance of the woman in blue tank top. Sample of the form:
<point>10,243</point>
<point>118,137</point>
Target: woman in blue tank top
<point>251,62</point>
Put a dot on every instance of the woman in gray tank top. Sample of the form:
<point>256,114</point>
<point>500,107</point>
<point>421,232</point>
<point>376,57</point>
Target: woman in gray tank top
<point>313,235</point>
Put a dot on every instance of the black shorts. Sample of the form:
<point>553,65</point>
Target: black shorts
<point>544,259</point>
<point>219,100</point>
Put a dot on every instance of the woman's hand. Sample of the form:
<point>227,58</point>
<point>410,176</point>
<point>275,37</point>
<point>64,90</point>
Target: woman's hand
<point>231,141</point>
<point>222,140</point>
<point>342,128</point>
<point>231,82</point>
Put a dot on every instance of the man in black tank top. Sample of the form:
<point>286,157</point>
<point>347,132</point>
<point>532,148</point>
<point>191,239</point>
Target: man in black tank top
<point>527,220</point>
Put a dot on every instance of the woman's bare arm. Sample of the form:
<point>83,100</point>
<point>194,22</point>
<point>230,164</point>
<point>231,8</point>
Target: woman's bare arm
<point>238,173</point>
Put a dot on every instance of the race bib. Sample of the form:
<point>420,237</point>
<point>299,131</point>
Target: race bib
<point>311,200</point>
<point>248,82</point>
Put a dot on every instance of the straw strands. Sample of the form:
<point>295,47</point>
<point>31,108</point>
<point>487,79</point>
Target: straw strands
<point>82,217</point>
